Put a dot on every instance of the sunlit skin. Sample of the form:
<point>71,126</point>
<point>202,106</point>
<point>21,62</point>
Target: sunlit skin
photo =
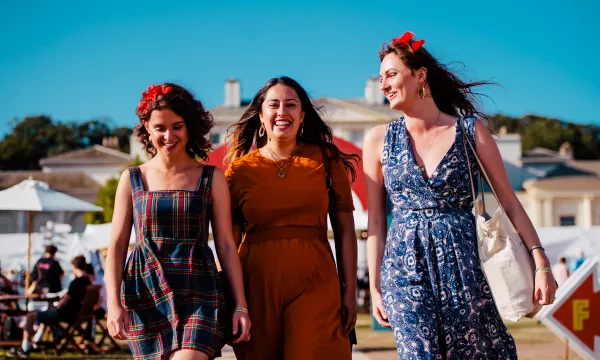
<point>281,115</point>
<point>172,169</point>
<point>432,133</point>
<point>168,133</point>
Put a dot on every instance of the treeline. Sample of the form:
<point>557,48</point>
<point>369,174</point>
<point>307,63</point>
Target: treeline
<point>36,137</point>
<point>538,131</point>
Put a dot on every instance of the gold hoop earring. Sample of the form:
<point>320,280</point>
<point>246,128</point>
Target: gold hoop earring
<point>261,130</point>
<point>422,92</point>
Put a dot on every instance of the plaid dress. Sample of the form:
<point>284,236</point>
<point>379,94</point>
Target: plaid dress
<point>170,284</point>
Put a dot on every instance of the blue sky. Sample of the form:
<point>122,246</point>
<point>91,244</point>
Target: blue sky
<point>78,60</point>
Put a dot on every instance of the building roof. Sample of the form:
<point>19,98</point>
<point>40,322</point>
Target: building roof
<point>56,180</point>
<point>96,154</point>
<point>587,165</point>
<point>566,183</point>
<point>543,155</point>
<point>76,184</point>
<point>562,170</point>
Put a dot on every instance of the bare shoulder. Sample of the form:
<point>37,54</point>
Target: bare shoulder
<point>373,143</point>
<point>124,186</point>
<point>125,178</point>
<point>218,174</point>
<point>376,134</point>
<point>482,133</point>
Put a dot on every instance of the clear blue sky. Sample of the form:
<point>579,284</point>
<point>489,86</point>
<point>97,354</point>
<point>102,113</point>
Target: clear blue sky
<point>77,60</point>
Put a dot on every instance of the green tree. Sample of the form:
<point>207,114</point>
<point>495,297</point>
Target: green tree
<point>29,141</point>
<point>106,200</point>
<point>37,137</point>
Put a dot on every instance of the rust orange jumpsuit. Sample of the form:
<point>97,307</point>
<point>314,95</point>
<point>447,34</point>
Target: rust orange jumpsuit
<point>290,276</point>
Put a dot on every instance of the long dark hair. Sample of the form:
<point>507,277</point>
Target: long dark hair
<point>198,121</point>
<point>315,131</point>
<point>450,94</point>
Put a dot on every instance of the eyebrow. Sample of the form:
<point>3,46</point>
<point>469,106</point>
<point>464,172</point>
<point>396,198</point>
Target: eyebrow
<point>390,69</point>
<point>290,99</point>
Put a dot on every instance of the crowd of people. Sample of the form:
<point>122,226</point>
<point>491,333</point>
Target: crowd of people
<point>48,282</point>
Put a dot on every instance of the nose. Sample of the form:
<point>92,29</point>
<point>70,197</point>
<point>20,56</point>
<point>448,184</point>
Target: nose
<point>384,86</point>
<point>281,111</point>
<point>169,134</point>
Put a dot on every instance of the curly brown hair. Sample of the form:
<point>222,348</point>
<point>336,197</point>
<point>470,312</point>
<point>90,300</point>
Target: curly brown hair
<point>198,121</point>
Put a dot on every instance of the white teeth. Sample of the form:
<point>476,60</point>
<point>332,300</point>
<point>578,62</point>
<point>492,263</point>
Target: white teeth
<point>282,122</point>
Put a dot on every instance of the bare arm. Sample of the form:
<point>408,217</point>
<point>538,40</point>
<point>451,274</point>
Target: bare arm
<point>224,242</point>
<point>490,157</point>
<point>346,250</point>
<point>377,224</point>
<point>345,247</point>
<point>119,241</point>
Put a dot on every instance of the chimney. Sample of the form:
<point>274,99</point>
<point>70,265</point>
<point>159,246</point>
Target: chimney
<point>373,95</point>
<point>566,151</point>
<point>233,93</point>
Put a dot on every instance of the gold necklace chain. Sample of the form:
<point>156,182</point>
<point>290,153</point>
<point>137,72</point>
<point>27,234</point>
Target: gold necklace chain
<point>281,173</point>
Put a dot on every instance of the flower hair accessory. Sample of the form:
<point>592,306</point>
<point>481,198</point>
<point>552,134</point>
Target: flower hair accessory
<point>151,95</point>
<point>406,39</point>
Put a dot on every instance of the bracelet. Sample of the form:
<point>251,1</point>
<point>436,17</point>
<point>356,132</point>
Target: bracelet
<point>543,269</point>
<point>536,247</point>
<point>241,309</point>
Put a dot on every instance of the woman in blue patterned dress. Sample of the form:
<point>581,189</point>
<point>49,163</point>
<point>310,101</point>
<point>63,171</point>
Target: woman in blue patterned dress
<point>426,280</point>
<point>171,305</point>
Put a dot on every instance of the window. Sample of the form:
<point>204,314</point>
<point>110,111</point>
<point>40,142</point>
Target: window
<point>215,139</point>
<point>567,221</point>
<point>356,136</point>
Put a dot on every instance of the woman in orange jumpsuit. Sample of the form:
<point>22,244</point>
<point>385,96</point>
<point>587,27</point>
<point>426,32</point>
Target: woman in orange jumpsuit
<point>281,194</point>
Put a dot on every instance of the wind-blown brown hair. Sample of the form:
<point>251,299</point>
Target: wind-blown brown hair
<point>244,133</point>
<point>450,94</point>
<point>198,121</point>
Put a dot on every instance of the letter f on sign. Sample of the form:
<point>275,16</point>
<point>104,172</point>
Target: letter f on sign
<point>581,312</point>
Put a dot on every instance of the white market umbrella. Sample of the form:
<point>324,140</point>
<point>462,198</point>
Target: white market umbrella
<point>32,195</point>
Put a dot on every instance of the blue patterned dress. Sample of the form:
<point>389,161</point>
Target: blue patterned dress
<point>436,296</point>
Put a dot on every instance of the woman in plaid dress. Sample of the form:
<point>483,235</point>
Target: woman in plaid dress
<point>171,306</point>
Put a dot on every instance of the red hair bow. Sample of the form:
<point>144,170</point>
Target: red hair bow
<point>150,95</point>
<point>406,40</point>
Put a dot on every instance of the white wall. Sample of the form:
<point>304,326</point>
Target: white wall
<point>510,148</point>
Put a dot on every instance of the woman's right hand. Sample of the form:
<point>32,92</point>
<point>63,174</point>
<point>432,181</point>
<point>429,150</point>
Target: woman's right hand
<point>117,322</point>
<point>378,309</point>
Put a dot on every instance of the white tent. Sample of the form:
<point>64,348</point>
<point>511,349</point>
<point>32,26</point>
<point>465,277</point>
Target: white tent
<point>33,195</point>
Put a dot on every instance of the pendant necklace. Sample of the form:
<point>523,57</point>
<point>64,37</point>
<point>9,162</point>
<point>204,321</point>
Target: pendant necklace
<point>281,173</point>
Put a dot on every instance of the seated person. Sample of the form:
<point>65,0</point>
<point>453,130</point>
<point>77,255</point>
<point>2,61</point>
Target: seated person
<point>6,286</point>
<point>99,313</point>
<point>67,310</point>
<point>48,271</point>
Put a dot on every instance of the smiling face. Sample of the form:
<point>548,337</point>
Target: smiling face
<point>167,131</point>
<point>399,84</point>
<point>281,113</point>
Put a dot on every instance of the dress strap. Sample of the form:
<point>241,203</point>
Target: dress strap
<point>135,179</point>
<point>206,178</point>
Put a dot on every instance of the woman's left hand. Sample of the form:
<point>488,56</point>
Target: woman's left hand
<point>545,288</point>
<point>349,310</point>
<point>241,325</point>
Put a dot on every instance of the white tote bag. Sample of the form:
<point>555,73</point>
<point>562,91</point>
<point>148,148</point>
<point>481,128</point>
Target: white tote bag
<point>505,260</point>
